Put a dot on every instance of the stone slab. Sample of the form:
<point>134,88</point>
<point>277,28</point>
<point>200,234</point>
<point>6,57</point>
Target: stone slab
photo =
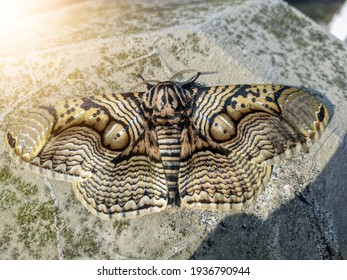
<point>98,47</point>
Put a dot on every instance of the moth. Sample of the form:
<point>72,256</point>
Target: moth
<point>136,153</point>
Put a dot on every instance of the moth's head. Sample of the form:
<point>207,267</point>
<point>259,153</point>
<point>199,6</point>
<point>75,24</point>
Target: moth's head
<point>165,99</point>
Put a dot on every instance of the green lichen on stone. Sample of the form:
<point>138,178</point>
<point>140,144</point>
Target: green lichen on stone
<point>113,86</point>
<point>131,54</point>
<point>338,45</point>
<point>136,60</point>
<point>284,74</point>
<point>6,236</point>
<point>307,76</point>
<point>15,255</point>
<point>195,42</point>
<point>300,77</point>
<point>97,90</point>
<point>81,244</point>
<point>44,93</point>
<point>122,55</point>
<point>8,198</point>
<point>35,220</point>
<point>109,60</point>
<point>25,188</point>
<point>140,65</point>
<point>133,29</point>
<point>82,86</point>
<point>32,221</point>
<point>120,225</point>
<point>183,232</point>
<point>41,96</point>
<point>7,178</point>
<point>32,212</point>
<point>72,202</point>
<point>5,175</point>
<point>173,49</point>
<point>300,42</point>
<point>155,61</point>
<point>77,74</point>
<point>341,83</point>
<point>101,70</point>
<point>280,22</point>
<point>317,37</point>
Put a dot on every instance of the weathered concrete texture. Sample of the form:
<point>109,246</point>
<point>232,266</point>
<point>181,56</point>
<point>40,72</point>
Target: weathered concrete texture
<point>99,47</point>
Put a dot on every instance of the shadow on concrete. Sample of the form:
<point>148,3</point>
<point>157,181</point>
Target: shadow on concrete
<point>311,226</point>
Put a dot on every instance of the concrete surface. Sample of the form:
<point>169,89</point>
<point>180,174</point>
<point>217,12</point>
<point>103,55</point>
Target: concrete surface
<point>99,47</point>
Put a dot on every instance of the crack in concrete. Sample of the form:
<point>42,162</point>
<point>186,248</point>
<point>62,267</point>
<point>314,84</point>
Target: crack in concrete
<point>273,243</point>
<point>131,62</point>
<point>321,146</point>
<point>324,229</point>
<point>55,199</point>
<point>176,249</point>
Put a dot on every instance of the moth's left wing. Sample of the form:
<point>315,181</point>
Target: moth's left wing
<point>67,140</point>
<point>237,133</point>
<point>132,184</point>
<point>103,145</point>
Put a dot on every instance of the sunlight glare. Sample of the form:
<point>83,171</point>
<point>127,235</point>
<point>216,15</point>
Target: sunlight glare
<point>11,11</point>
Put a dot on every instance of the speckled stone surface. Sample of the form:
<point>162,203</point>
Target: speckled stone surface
<point>99,47</point>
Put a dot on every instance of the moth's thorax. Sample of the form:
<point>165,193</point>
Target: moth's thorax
<point>165,100</point>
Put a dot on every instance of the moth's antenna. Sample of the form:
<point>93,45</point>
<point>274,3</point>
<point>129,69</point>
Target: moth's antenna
<point>191,81</point>
<point>140,76</point>
<point>180,73</point>
<point>149,83</point>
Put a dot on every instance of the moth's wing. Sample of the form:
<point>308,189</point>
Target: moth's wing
<point>260,122</point>
<point>210,177</point>
<point>68,139</point>
<point>101,144</point>
<point>241,131</point>
<point>130,185</point>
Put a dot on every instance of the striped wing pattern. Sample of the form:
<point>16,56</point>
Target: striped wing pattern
<point>246,129</point>
<point>98,144</point>
<point>133,154</point>
<point>132,185</point>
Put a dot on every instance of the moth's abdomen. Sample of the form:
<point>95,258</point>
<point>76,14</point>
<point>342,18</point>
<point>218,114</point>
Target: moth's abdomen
<point>169,140</point>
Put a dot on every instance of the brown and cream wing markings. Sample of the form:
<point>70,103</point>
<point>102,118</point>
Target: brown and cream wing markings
<point>238,133</point>
<point>67,139</point>
<point>133,154</point>
<point>99,144</point>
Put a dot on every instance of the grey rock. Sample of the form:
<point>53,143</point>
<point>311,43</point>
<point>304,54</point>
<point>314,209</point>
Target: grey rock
<point>100,46</point>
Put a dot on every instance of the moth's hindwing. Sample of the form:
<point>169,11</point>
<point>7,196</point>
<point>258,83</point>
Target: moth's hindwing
<point>237,133</point>
<point>134,184</point>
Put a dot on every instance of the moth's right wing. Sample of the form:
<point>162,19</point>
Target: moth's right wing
<point>237,133</point>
